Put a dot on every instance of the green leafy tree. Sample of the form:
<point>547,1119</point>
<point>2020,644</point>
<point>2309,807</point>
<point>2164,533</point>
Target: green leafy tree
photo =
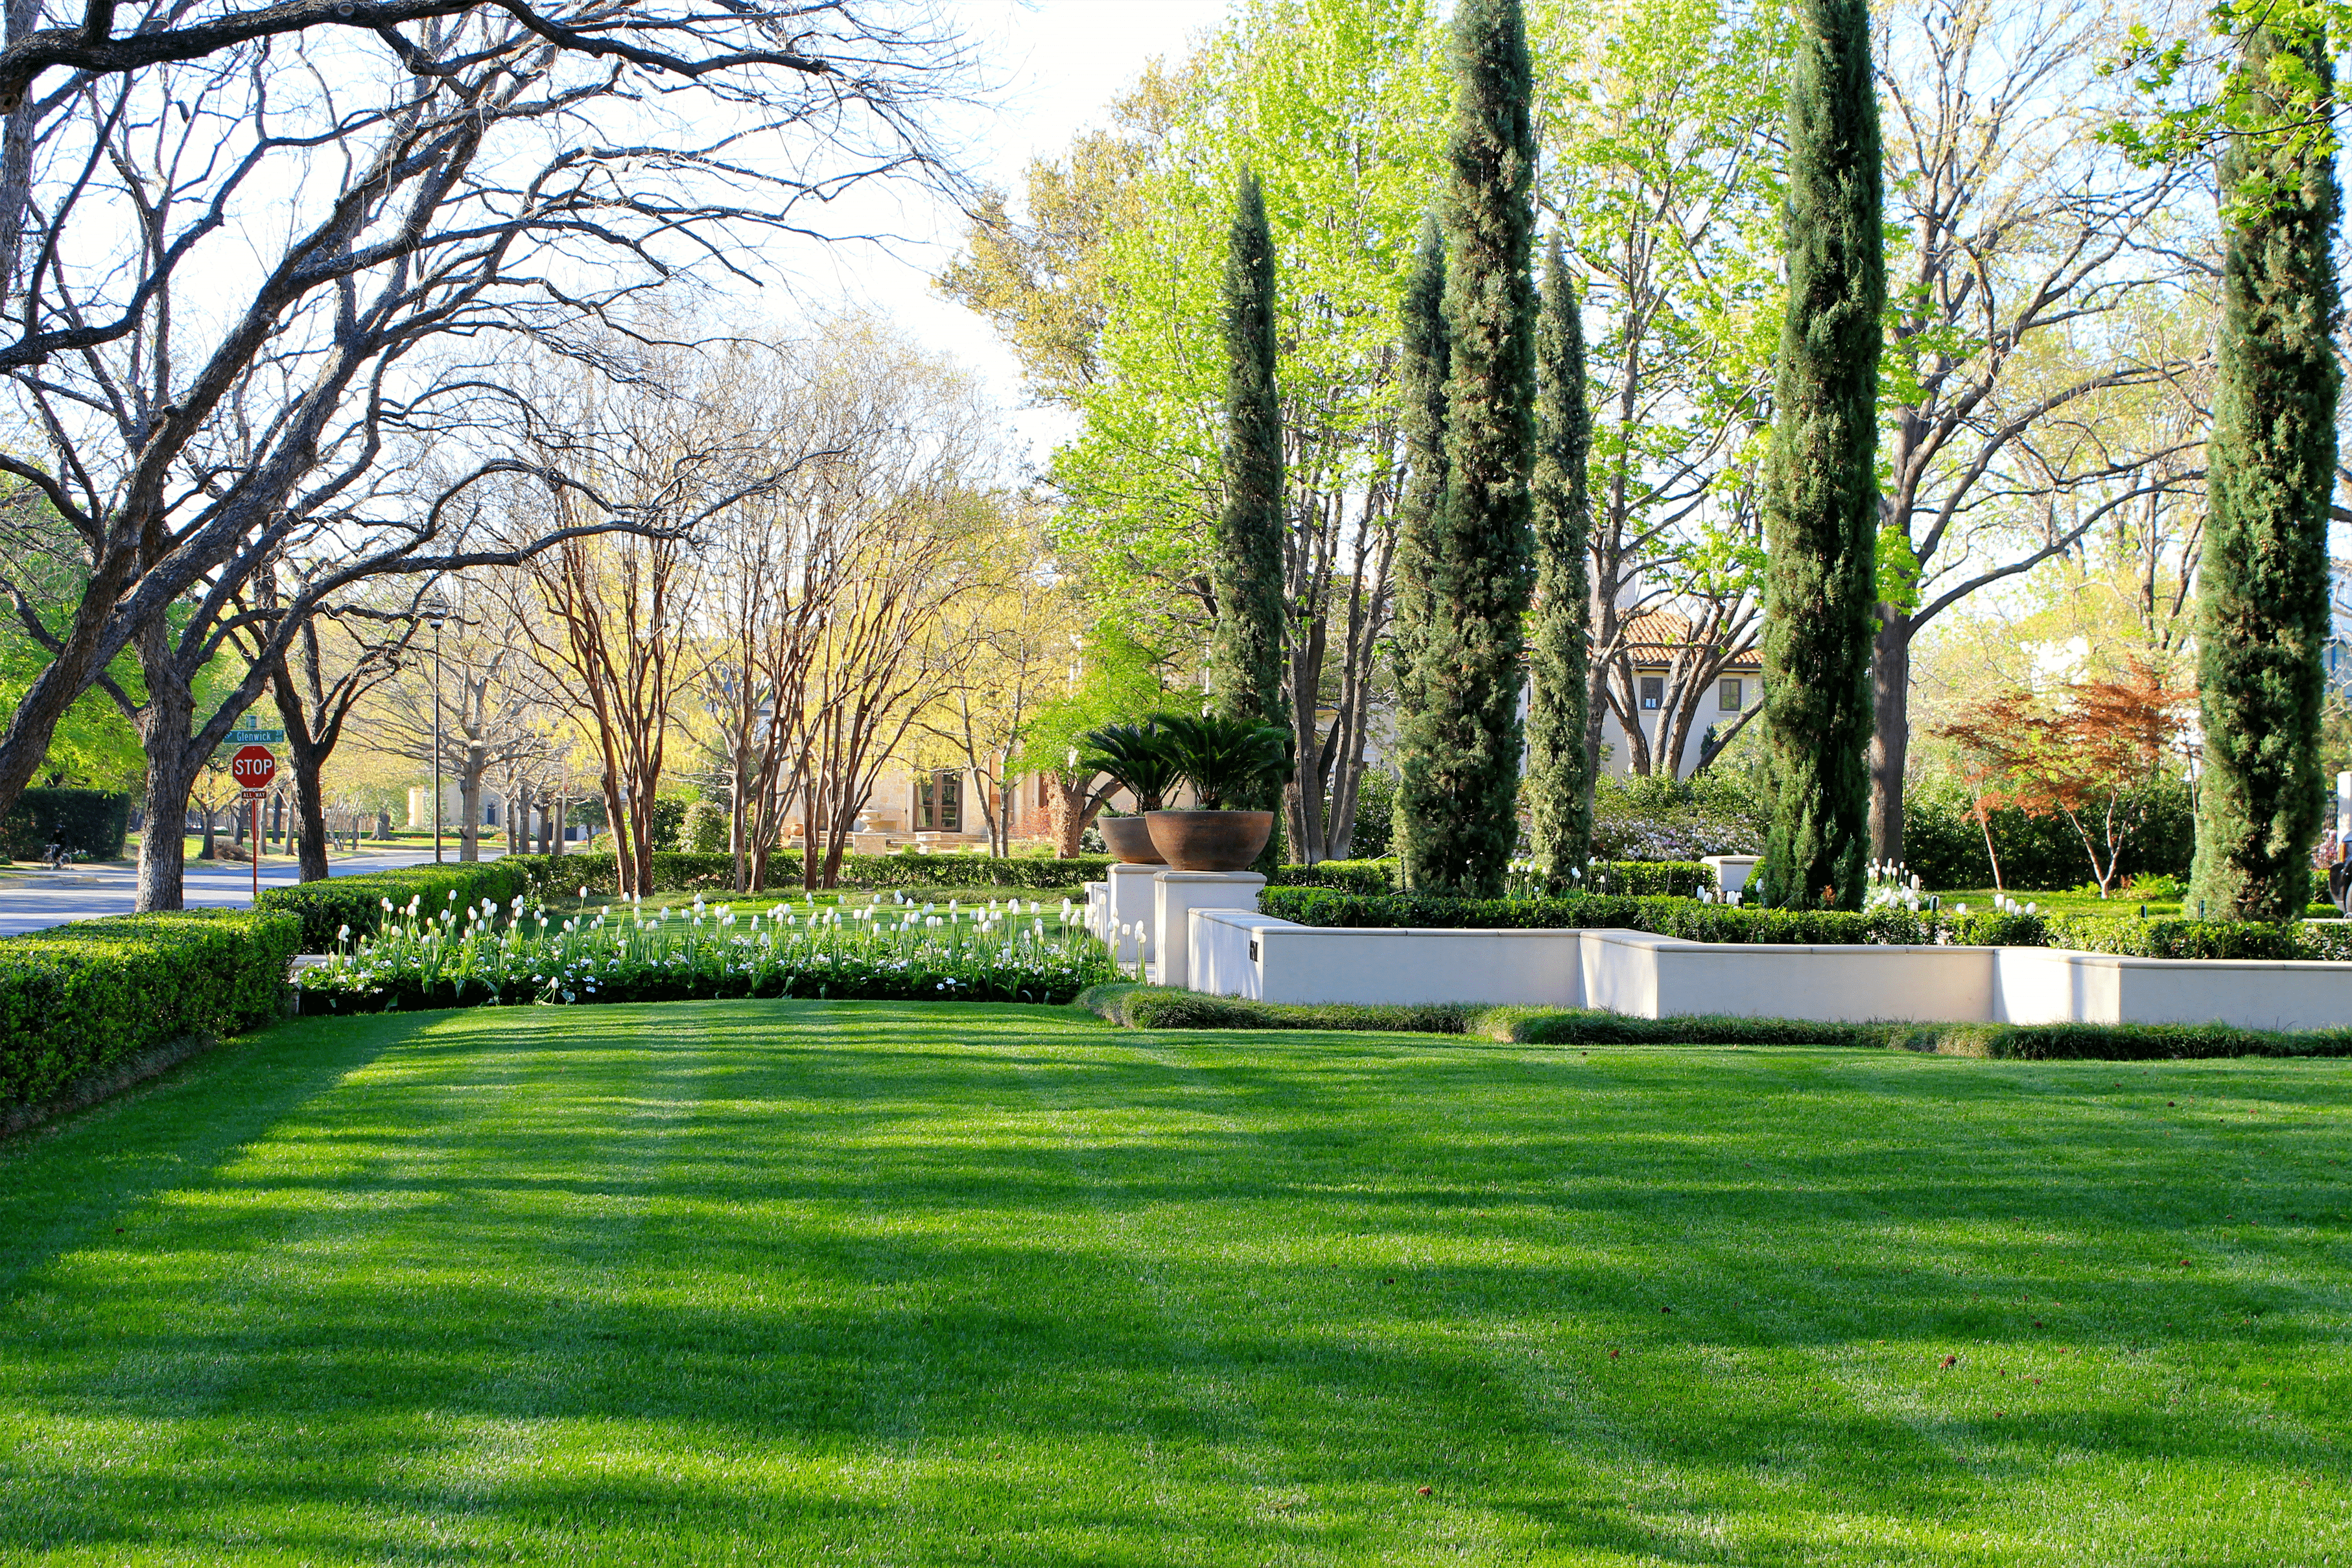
<point>1560,777</point>
<point>2262,606</point>
<point>1821,510</point>
<point>1460,746</point>
<point>1337,106</point>
<point>1661,123</point>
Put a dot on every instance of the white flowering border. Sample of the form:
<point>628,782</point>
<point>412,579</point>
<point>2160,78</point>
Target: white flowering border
<point>894,950</point>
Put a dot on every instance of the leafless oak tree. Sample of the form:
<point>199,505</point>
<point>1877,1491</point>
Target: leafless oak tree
<point>194,418</point>
<point>2035,320</point>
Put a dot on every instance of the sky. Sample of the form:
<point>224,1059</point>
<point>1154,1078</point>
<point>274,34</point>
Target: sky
<point>1061,62</point>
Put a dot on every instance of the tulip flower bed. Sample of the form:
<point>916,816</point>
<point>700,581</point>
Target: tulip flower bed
<point>889,950</point>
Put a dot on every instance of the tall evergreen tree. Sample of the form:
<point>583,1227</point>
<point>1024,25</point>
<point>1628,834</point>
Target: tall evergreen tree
<point>1245,648</point>
<point>2261,594</point>
<point>1423,365</point>
<point>1462,747</point>
<point>1822,505</point>
<point>1560,777</point>
<point>1246,651</point>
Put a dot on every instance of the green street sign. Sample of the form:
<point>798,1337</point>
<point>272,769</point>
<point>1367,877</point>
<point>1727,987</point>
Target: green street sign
<point>255,737</point>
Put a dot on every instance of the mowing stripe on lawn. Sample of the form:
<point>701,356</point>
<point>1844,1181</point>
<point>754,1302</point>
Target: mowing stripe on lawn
<point>901,1284</point>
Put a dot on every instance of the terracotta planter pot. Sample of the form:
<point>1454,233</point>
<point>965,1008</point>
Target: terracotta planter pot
<point>1129,838</point>
<point>1210,841</point>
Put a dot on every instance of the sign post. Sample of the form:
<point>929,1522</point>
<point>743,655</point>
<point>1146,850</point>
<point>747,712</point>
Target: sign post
<point>253,768</point>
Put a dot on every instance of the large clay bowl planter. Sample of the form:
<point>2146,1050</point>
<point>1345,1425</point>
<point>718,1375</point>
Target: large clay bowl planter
<point>1210,841</point>
<point>1129,838</point>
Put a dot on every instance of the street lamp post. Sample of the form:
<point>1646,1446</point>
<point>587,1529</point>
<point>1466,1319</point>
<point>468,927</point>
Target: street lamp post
<point>436,611</point>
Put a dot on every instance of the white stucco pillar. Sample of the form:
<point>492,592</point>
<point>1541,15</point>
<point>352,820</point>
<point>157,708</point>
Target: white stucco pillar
<point>1178,893</point>
<point>1133,902</point>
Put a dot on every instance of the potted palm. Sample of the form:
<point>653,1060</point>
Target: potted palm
<point>1222,759</point>
<point>1136,757</point>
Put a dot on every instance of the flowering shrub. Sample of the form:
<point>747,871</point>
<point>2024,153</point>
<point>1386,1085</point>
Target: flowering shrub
<point>1686,836</point>
<point>895,951</point>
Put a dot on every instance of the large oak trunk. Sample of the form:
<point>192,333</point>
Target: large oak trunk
<point>1890,738</point>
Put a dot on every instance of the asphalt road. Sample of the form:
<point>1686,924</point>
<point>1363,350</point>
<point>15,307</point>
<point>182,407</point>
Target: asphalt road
<point>32,898</point>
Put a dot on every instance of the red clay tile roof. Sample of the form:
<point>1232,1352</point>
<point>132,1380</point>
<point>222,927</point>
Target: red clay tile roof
<point>1653,638</point>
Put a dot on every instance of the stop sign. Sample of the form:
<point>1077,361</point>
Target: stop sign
<point>253,768</point>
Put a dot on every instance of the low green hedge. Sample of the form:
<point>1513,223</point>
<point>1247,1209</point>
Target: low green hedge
<point>562,876</point>
<point>79,998</point>
<point>1889,926</point>
<point>1668,879</point>
<point>326,907</point>
<point>1346,876</point>
<point>1153,1006</point>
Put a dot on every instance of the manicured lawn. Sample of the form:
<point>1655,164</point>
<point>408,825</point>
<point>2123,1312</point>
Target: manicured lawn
<point>2117,907</point>
<point>798,1283</point>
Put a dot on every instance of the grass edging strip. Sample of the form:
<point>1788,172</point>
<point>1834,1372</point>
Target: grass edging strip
<point>1136,1005</point>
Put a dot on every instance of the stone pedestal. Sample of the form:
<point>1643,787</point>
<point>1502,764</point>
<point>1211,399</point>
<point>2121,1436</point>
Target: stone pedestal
<point>1731,872</point>
<point>1178,893</point>
<point>1132,902</point>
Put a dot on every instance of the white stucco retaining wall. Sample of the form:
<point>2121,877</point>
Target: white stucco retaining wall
<point>1241,953</point>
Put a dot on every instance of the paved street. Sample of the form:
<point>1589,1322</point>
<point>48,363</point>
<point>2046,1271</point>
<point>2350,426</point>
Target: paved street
<point>31,898</point>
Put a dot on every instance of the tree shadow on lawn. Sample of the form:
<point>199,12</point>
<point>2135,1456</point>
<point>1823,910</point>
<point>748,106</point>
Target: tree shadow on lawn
<point>730,1277</point>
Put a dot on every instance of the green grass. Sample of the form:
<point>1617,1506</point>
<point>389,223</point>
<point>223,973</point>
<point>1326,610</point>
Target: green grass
<point>799,1284</point>
<point>2118,906</point>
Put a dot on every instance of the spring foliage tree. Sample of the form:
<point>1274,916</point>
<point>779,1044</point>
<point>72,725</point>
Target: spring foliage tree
<point>1560,777</point>
<point>1821,513</point>
<point>2262,600</point>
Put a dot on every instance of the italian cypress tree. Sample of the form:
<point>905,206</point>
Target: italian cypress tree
<point>1821,503</point>
<point>1245,652</point>
<point>1560,782</point>
<point>1462,747</point>
<point>1245,648</point>
<point>1422,364</point>
<point>2261,594</point>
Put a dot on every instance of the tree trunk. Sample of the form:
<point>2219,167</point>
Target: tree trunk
<point>469,808</point>
<point>1890,738</point>
<point>163,857</point>
<point>308,759</point>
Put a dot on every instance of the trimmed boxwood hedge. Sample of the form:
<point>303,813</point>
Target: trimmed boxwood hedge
<point>1676,879</point>
<point>1886,927</point>
<point>673,872</point>
<point>326,907</point>
<point>1153,1006</point>
<point>80,998</point>
<point>1346,876</point>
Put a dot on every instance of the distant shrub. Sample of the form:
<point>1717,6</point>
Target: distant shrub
<point>561,875</point>
<point>90,822</point>
<point>703,831</point>
<point>1943,842</point>
<point>325,908</point>
<point>1374,834</point>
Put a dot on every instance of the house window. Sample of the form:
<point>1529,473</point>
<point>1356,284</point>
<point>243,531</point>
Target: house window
<point>489,813</point>
<point>1654,691</point>
<point>1728,696</point>
<point>939,804</point>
